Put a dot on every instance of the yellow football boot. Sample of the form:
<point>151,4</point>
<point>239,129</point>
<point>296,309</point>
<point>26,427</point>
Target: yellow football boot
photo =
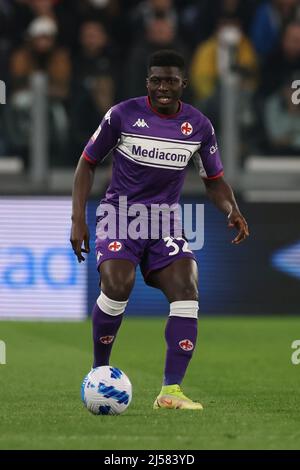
<point>171,397</point>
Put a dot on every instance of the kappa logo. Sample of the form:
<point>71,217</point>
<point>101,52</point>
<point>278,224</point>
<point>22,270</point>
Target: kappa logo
<point>186,345</point>
<point>186,128</point>
<point>140,123</point>
<point>107,116</point>
<point>115,246</point>
<point>96,133</point>
<point>107,339</point>
<point>99,254</point>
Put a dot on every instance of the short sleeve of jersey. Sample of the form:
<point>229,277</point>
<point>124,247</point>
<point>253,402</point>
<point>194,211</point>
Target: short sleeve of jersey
<point>207,159</point>
<point>105,138</point>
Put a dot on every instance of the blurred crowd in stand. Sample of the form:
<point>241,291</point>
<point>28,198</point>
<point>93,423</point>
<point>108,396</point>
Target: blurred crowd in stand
<point>94,54</point>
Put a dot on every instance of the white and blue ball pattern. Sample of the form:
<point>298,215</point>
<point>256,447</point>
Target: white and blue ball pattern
<point>106,390</point>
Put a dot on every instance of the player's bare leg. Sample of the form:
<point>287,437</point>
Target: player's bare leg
<point>179,282</point>
<point>117,280</point>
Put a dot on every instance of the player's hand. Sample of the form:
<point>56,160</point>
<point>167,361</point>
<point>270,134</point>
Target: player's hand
<point>235,219</point>
<point>80,234</point>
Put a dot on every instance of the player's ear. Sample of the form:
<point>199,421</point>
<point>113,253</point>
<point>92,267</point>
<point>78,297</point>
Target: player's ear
<point>184,82</point>
<point>147,82</point>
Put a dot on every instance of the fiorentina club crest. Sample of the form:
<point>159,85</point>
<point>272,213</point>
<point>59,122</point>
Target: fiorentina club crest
<point>106,339</point>
<point>186,128</point>
<point>115,246</point>
<point>186,345</point>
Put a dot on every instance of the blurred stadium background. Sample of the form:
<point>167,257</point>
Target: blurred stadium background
<point>64,63</point>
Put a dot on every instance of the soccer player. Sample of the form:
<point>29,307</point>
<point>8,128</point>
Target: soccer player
<point>152,139</point>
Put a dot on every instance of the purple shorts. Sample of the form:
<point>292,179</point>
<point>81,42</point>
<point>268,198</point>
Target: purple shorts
<point>150,254</point>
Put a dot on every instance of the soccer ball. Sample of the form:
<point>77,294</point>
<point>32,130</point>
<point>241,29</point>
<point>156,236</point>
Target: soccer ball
<point>106,390</point>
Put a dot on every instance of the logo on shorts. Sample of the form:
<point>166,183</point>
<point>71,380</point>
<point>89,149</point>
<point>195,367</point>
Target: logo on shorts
<point>107,339</point>
<point>186,345</point>
<point>115,246</point>
<point>186,128</point>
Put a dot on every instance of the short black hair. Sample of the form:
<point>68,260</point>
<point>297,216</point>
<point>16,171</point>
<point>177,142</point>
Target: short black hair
<point>166,58</point>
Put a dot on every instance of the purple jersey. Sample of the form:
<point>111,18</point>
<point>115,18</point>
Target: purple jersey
<point>151,151</point>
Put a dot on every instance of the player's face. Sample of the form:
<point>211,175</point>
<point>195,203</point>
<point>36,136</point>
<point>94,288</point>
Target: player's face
<point>165,86</point>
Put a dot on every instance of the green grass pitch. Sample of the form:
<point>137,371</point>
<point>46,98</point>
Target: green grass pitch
<point>241,372</point>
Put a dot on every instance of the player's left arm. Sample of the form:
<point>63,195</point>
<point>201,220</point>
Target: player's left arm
<point>209,164</point>
<point>221,194</point>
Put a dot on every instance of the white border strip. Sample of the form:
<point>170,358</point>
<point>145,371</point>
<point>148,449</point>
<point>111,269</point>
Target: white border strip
<point>147,137</point>
<point>262,195</point>
<point>273,165</point>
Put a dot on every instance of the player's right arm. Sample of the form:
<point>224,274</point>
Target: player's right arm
<point>99,146</point>
<point>82,185</point>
